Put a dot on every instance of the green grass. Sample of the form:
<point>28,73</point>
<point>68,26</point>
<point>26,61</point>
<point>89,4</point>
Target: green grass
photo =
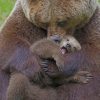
<point>5,8</point>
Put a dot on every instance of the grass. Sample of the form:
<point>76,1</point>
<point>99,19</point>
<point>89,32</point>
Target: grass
<point>5,8</point>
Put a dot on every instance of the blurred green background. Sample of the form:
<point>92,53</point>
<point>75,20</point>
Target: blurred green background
<point>5,8</point>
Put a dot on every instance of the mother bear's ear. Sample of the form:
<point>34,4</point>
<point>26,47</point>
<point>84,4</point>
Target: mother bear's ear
<point>25,4</point>
<point>28,6</point>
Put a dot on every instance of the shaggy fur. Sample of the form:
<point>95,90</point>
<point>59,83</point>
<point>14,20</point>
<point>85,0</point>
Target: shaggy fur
<point>18,33</point>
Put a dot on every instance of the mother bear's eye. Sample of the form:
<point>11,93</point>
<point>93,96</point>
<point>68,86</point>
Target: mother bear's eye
<point>62,23</point>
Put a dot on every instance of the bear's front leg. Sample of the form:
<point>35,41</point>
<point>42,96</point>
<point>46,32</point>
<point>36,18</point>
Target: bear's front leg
<point>19,88</point>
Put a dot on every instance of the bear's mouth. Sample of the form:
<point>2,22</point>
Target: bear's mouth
<point>64,50</point>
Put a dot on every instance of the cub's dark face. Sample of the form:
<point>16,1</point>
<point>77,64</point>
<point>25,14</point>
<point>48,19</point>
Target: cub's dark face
<point>59,17</point>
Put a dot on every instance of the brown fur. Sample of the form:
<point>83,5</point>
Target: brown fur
<point>48,49</point>
<point>16,36</point>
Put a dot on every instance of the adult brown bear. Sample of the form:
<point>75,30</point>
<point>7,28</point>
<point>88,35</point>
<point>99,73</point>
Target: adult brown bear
<point>28,23</point>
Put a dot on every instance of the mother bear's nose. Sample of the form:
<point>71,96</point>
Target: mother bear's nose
<point>56,38</point>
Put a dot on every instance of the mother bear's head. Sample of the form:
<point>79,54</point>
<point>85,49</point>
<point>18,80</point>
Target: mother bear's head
<point>58,16</point>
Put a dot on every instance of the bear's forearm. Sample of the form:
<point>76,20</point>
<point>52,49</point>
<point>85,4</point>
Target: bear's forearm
<point>72,63</point>
<point>21,59</point>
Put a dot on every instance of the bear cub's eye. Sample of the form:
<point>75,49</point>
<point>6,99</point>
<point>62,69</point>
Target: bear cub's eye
<point>62,23</point>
